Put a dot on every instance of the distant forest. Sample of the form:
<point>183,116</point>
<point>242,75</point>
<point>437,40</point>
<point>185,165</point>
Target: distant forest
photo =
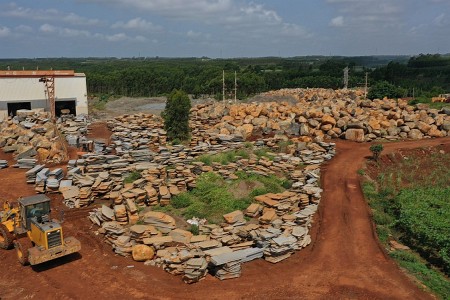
<point>145,77</point>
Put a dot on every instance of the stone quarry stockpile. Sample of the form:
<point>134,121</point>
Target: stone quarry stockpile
<point>31,137</point>
<point>273,227</point>
<point>323,114</point>
<point>278,223</point>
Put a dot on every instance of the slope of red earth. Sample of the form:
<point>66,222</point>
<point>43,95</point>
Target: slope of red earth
<point>345,260</point>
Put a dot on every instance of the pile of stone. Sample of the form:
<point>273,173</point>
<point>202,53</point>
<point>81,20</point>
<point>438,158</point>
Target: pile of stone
<point>45,180</point>
<point>31,134</point>
<point>26,163</point>
<point>282,220</point>
<point>323,114</point>
<point>139,131</point>
<point>3,164</point>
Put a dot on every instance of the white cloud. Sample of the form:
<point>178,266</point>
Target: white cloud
<point>51,14</point>
<point>118,37</point>
<point>4,31</point>
<point>137,24</point>
<point>337,22</point>
<point>47,28</point>
<point>441,20</point>
<point>24,29</point>
<point>369,15</point>
<point>180,9</point>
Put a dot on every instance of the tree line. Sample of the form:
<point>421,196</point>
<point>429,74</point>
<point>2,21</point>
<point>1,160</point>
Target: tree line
<point>147,77</point>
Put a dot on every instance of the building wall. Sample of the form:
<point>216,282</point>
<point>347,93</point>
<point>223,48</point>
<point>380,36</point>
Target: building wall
<point>31,90</point>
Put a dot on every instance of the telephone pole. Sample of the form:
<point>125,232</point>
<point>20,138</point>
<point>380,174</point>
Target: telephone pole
<point>345,78</point>
<point>365,86</point>
<point>223,86</point>
<point>235,87</point>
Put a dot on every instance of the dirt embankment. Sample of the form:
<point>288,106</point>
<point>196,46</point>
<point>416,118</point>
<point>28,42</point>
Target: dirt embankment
<point>344,261</point>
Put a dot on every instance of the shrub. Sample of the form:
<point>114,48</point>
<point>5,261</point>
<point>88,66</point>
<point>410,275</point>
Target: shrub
<point>376,150</point>
<point>181,201</point>
<point>176,115</point>
<point>384,89</point>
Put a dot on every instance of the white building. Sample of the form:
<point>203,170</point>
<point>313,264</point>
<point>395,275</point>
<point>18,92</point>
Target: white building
<point>24,90</point>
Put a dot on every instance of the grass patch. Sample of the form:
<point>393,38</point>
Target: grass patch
<point>232,156</point>
<point>132,177</point>
<point>264,152</point>
<point>211,199</point>
<point>410,202</point>
<point>430,277</point>
<point>213,196</point>
<point>224,158</point>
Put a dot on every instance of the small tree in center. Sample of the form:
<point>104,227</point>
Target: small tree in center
<point>176,115</point>
<point>376,151</point>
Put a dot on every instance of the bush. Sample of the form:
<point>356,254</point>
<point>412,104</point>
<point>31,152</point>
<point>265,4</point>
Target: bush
<point>176,115</point>
<point>384,89</point>
<point>181,201</point>
<point>376,150</point>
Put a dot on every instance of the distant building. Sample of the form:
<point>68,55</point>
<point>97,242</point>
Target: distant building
<point>25,90</point>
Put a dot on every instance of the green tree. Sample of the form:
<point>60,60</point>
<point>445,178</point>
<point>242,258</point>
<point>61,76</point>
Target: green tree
<point>384,89</point>
<point>376,150</point>
<point>176,115</point>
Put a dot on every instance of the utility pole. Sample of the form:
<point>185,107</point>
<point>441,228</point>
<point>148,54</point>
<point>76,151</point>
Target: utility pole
<point>345,78</point>
<point>365,86</point>
<point>235,87</point>
<point>223,86</point>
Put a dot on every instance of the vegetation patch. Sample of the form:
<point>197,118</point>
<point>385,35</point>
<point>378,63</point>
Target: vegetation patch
<point>232,156</point>
<point>213,196</point>
<point>133,176</point>
<point>409,197</point>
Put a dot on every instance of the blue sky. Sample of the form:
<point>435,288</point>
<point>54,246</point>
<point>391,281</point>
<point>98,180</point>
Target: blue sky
<point>222,28</point>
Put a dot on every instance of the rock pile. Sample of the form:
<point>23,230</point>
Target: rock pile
<point>279,226</point>
<point>324,114</point>
<point>31,134</point>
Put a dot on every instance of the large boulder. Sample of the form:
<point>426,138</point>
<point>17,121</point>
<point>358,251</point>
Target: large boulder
<point>328,120</point>
<point>415,134</point>
<point>356,135</point>
<point>142,252</point>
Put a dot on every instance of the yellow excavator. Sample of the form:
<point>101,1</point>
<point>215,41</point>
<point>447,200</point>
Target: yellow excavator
<point>28,228</point>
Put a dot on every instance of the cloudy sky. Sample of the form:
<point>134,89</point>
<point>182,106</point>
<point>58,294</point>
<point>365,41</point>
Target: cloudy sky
<point>222,28</point>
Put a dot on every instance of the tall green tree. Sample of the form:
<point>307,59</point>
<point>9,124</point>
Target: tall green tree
<point>176,115</point>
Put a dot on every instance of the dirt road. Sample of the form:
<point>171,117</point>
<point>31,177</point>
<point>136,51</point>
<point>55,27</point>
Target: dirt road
<point>344,261</point>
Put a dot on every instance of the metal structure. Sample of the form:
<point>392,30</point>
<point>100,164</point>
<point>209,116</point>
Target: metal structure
<point>49,82</point>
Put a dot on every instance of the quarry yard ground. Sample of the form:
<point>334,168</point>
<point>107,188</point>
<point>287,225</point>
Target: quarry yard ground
<point>344,261</point>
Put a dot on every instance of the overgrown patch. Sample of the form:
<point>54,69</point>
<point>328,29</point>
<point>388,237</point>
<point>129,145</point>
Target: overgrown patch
<point>232,156</point>
<point>409,197</point>
<point>213,196</point>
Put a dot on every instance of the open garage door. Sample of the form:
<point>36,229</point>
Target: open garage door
<point>65,107</point>
<point>13,107</point>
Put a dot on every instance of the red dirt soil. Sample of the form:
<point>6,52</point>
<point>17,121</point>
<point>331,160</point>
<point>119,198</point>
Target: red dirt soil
<point>345,260</point>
